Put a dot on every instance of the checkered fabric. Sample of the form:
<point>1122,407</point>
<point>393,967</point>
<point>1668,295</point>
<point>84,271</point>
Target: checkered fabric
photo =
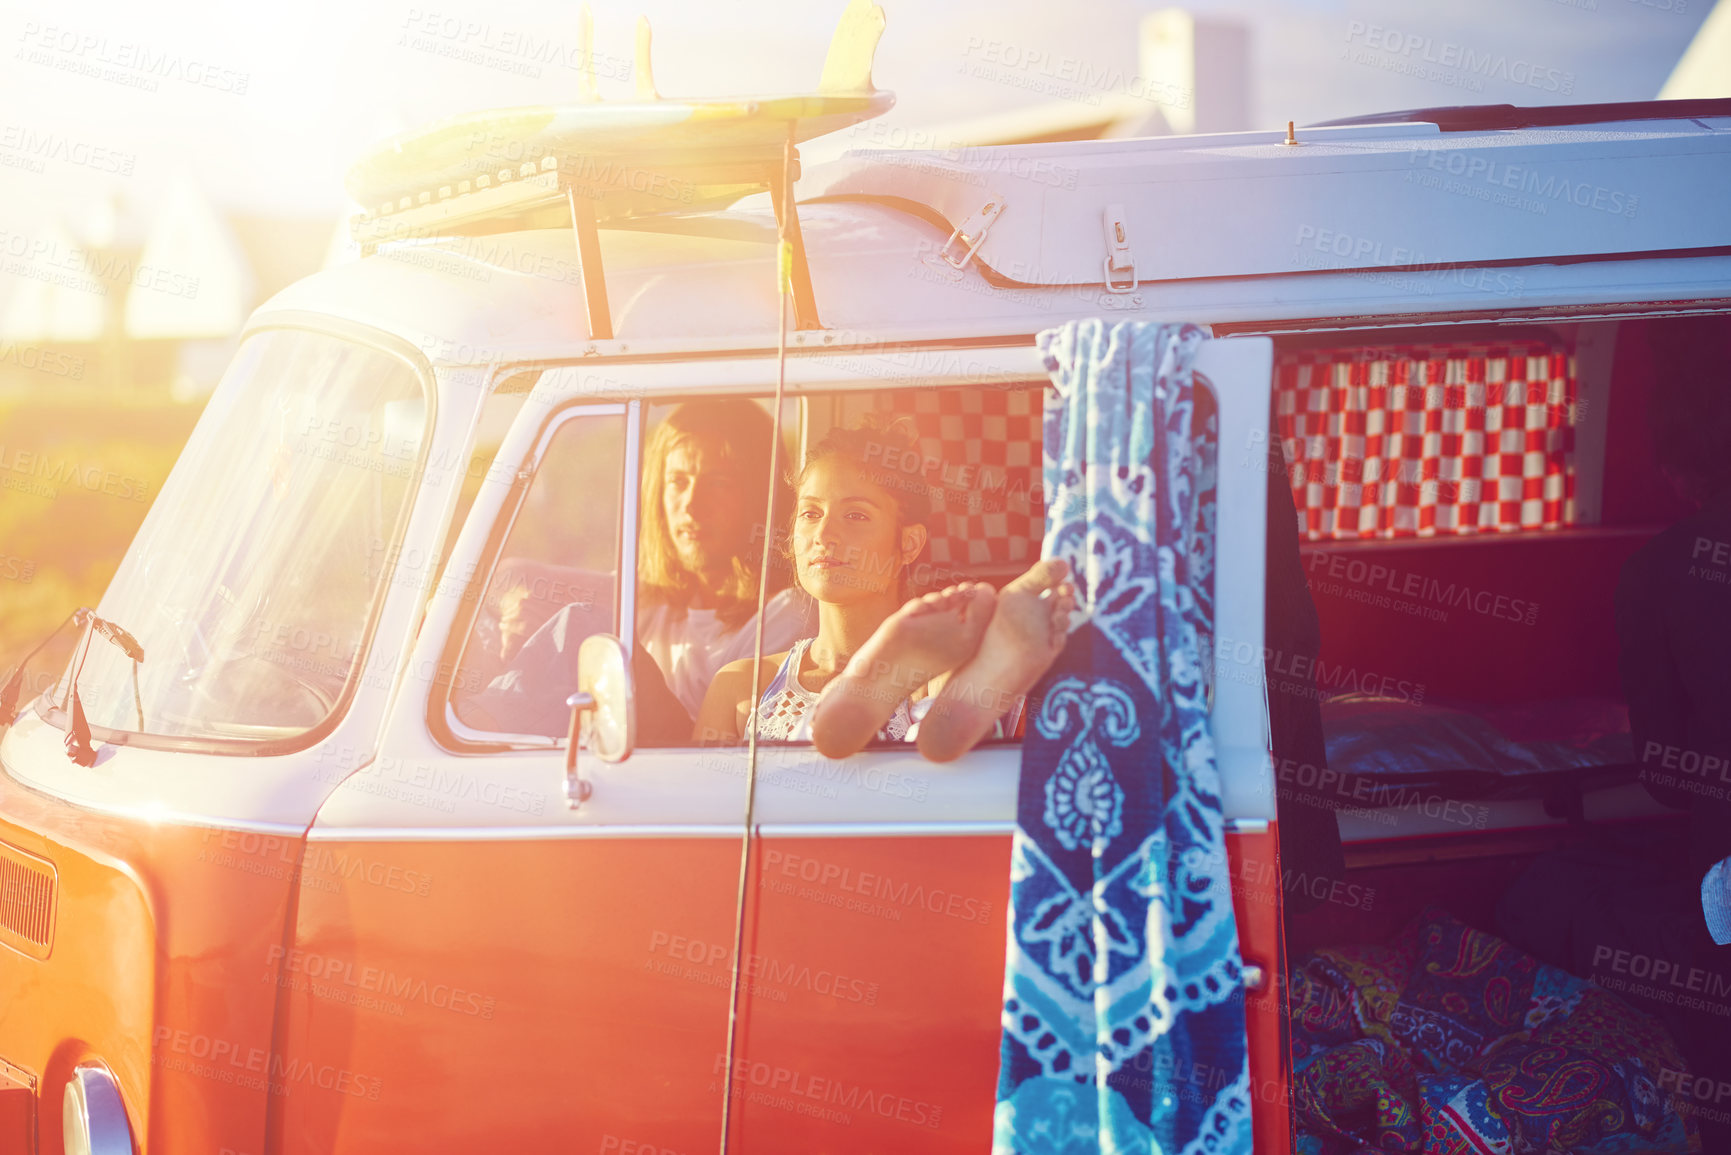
<point>1422,441</point>
<point>980,458</point>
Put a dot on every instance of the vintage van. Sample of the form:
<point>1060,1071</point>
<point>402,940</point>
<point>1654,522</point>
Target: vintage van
<point>304,899</point>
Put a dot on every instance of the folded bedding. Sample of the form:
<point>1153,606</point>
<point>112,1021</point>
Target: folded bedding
<point>1394,739</point>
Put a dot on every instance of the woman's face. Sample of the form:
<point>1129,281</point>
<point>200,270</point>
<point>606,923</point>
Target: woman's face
<point>847,547</point>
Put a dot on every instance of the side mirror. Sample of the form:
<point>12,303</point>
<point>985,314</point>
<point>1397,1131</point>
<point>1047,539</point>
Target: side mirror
<point>603,714</point>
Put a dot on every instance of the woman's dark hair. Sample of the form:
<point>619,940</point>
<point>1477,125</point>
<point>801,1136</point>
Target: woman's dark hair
<point>1690,408</point>
<point>887,451</point>
<point>741,432</point>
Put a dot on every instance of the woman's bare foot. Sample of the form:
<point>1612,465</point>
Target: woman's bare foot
<point>926,637</point>
<point>1027,634</point>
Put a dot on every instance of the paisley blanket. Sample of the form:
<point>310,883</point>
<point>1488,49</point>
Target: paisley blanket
<point>1452,1042</point>
<point>1123,961</point>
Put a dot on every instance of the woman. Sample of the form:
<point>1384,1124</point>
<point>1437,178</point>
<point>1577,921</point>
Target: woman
<point>879,662</point>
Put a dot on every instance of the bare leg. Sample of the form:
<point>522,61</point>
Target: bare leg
<point>1026,635</point>
<point>926,637</point>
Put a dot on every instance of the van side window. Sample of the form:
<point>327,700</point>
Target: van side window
<point>555,582</point>
<point>973,458</point>
<point>1429,440</point>
<point>979,466</point>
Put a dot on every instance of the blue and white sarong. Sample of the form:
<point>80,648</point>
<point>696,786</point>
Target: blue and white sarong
<point>1123,1022</point>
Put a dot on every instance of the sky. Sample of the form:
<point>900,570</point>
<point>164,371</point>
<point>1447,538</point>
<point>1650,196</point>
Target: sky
<point>265,105</point>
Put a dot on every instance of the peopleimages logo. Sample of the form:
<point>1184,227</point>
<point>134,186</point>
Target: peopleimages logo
<point>1662,972</point>
<point>1366,798</point>
<point>792,1090</point>
<point>89,270</point>
<point>377,980</point>
<point>882,888</point>
<point>1524,179</point>
<point>1324,249</point>
<point>1458,58</point>
<point>39,147</point>
<point>254,1068</point>
<point>508,49</point>
<point>40,360</point>
<point>1382,579</point>
<point>125,62</point>
<point>1240,661</point>
<point>776,973</point>
<point>16,569</point>
<point>60,471</point>
<point>1066,77</point>
<point>1262,877</point>
<point>1664,755</point>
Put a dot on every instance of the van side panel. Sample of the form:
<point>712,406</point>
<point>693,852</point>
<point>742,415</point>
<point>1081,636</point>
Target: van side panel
<point>877,967</point>
<point>92,994</point>
<point>161,933</point>
<point>876,980</point>
<point>1258,887</point>
<point>498,993</point>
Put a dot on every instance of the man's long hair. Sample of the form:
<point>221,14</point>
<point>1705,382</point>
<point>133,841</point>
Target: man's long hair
<point>741,432</point>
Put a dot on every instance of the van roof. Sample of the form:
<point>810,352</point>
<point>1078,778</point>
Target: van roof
<point>1475,117</point>
<point>1360,196</point>
<point>1350,220</point>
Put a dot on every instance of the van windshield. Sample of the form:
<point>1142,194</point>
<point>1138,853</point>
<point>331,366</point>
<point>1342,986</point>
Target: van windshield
<point>253,582</point>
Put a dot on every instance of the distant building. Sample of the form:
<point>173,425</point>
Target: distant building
<point>50,301</point>
<point>1193,74</point>
<point>157,305</point>
<point>1705,67</point>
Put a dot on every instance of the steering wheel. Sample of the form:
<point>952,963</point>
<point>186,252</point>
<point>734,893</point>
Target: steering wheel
<point>236,691</point>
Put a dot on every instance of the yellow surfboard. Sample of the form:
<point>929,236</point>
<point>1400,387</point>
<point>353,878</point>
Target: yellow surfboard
<point>628,159</point>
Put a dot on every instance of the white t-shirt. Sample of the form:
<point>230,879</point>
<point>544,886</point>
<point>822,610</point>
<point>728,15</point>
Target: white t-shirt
<point>691,645</point>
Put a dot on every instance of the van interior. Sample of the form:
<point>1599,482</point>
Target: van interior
<point>1537,657</point>
<point>1504,787</point>
<point>1467,674</point>
<point>1508,619</point>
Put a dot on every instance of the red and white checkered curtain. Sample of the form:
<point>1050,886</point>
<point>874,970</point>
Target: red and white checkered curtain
<point>980,462</point>
<point>1421,441</point>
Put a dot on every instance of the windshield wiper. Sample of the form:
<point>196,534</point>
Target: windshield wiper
<point>113,632</point>
<point>78,744</point>
<point>15,683</point>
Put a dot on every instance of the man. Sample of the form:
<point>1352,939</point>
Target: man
<point>705,481</point>
<point>700,545</point>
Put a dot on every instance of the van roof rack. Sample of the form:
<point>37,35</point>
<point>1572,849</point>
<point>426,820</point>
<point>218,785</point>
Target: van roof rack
<point>590,163</point>
<point>1489,117</point>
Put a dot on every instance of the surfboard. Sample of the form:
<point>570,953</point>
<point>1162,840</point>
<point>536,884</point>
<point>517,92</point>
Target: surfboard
<point>703,142</point>
<point>627,158</point>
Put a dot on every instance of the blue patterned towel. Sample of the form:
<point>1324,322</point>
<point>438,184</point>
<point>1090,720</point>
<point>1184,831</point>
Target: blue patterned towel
<point>1123,961</point>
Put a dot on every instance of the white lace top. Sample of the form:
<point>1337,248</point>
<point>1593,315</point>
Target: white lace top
<point>784,713</point>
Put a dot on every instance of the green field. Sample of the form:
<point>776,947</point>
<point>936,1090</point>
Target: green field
<point>79,469</point>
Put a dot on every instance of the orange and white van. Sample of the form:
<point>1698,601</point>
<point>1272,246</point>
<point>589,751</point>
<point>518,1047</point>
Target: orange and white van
<point>302,901</point>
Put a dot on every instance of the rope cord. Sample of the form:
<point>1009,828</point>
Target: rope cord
<point>784,280</point>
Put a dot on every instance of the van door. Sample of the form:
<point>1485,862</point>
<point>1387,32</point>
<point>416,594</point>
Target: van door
<point>874,956</point>
<point>532,976</point>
